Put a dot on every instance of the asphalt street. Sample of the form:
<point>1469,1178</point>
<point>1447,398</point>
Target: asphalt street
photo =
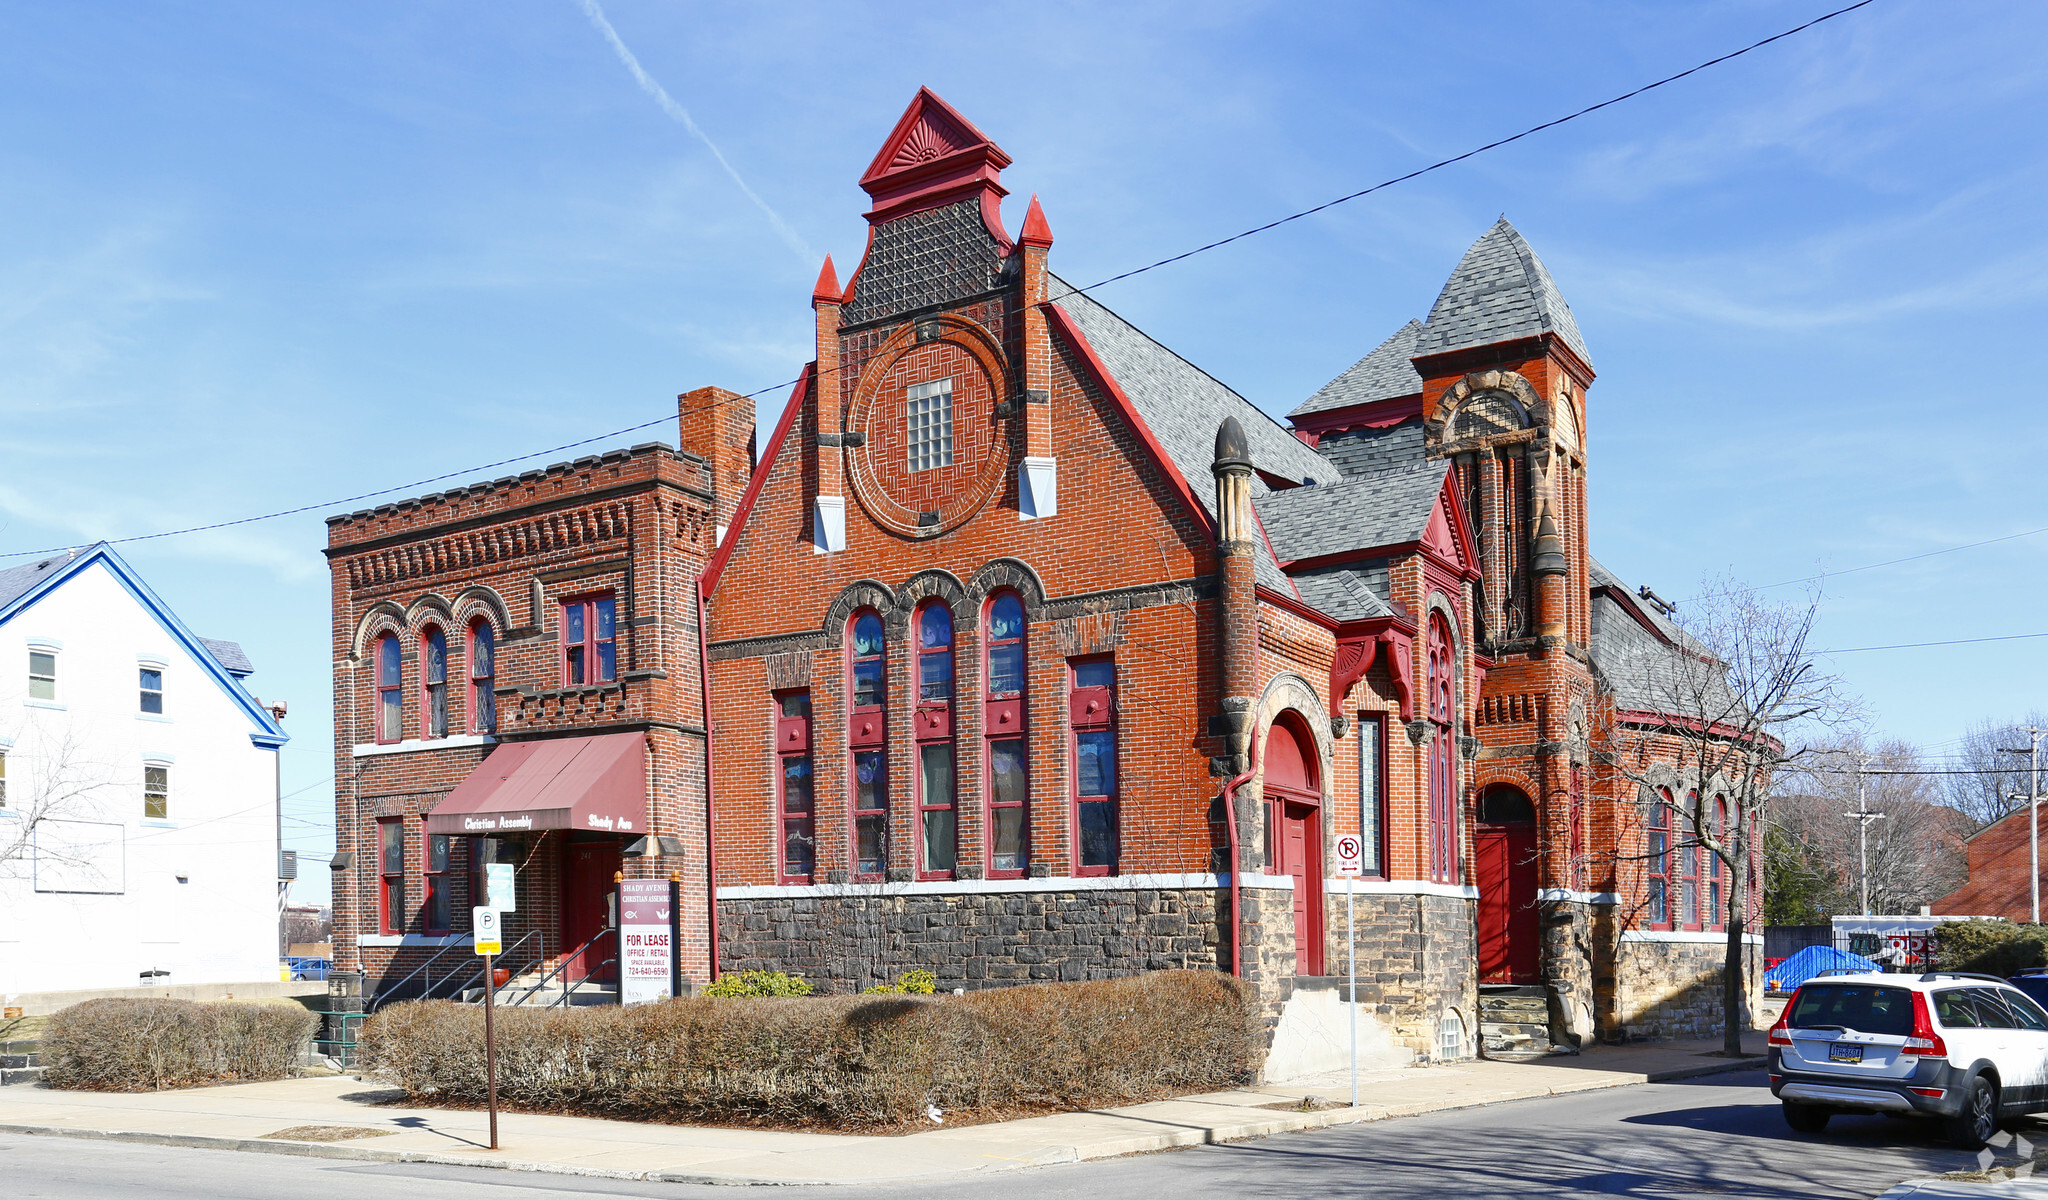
<point>1716,1136</point>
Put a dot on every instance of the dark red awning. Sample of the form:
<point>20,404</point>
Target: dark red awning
<point>595,783</point>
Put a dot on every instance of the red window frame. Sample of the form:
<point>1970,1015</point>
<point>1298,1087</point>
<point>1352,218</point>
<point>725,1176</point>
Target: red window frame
<point>1689,864</point>
<point>1091,720</point>
<point>433,682</point>
<point>483,677</point>
<point>589,658</point>
<point>796,807</point>
<point>1657,845</point>
<point>1716,878</point>
<point>1443,760</point>
<point>867,742</point>
<point>440,905</point>
<point>473,852</point>
<point>391,875</point>
<point>1372,792</point>
<point>388,714</point>
<point>1005,720</point>
<point>1575,833</point>
<point>936,775</point>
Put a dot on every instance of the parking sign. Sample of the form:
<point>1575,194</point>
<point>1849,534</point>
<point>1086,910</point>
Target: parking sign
<point>1350,855</point>
<point>484,923</point>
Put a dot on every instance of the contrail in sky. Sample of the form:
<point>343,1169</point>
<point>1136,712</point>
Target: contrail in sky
<point>682,116</point>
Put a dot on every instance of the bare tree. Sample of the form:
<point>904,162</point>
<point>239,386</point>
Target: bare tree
<point>48,777</point>
<point>1732,692</point>
<point>1913,847</point>
<point>1986,793</point>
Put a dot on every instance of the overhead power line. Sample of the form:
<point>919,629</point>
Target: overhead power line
<point>2010,637</point>
<point>1203,249</point>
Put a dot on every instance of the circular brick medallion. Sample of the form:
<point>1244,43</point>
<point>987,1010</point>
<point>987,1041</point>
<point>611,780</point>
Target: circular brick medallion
<point>932,494</point>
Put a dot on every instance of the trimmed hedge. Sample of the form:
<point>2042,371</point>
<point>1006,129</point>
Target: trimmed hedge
<point>1993,947</point>
<point>148,1045</point>
<point>840,1062</point>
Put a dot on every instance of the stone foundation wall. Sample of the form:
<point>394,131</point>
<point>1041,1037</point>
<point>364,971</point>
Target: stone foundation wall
<point>1578,968</point>
<point>1672,990</point>
<point>1417,958</point>
<point>845,942</point>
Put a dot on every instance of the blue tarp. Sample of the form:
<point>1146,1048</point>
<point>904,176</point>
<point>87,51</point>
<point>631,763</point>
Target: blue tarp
<point>1810,962</point>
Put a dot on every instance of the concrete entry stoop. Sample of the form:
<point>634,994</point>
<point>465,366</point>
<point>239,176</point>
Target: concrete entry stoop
<point>1514,1020</point>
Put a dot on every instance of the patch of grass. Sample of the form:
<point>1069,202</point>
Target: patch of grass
<point>326,1133</point>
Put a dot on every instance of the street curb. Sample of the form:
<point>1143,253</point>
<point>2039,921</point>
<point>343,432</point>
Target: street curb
<point>1278,1122</point>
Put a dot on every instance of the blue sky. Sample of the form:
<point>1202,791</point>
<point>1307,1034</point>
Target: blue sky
<point>257,256</point>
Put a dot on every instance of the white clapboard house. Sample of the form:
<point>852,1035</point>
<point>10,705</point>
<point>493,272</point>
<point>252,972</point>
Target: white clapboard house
<point>138,789</point>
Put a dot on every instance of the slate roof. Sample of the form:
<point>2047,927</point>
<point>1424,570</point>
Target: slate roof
<point>1643,671</point>
<point>1347,592</point>
<point>1382,375</point>
<point>1369,451</point>
<point>1183,405</point>
<point>1499,292</point>
<point>16,581</point>
<point>1356,513</point>
<point>229,655</point>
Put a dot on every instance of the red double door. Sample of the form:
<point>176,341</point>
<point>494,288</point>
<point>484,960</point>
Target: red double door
<point>1505,863</point>
<point>1295,801</point>
<point>589,907</point>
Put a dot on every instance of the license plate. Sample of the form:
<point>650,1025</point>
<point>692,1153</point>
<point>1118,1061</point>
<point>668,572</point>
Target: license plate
<point>1837,1052</point>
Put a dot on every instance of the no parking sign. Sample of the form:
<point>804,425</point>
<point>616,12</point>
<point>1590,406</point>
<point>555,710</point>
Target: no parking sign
<point>1350,856</point>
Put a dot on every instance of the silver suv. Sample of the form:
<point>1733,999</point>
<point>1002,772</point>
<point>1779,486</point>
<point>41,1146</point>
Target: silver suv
<point>1969,1050</point>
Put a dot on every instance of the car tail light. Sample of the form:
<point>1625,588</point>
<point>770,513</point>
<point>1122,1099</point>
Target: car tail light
<point>1937,1093</point>
<point>1781,1032</point>
<point>1923,1041</point>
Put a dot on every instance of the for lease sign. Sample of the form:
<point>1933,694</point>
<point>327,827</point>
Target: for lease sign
<point>647,940</point>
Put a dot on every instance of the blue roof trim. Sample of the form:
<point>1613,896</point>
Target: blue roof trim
<point>268,733</point>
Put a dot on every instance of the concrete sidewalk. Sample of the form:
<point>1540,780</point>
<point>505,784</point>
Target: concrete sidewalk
<point>241,1118</point>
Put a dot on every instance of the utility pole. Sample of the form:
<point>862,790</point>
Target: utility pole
<point>1863,817</point>
<point>2033,753</point>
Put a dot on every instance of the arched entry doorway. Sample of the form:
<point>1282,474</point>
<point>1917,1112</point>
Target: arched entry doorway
<point>1294,795</point>
<point>1504,854</point>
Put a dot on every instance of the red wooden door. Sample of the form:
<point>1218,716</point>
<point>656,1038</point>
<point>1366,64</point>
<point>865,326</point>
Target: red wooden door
<point>1301,856</point>
<point>1505,858</point>
<point>588,900</point>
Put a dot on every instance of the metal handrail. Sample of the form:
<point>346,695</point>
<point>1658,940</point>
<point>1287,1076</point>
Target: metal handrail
<point>561,964</point>
<point>569,990</point>
<point>458,975</point>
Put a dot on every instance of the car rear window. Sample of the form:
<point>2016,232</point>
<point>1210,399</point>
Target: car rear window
<point>1865,1008</point>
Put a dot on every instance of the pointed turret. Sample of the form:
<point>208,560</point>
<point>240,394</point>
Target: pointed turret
<point>827,291</point>
<point>1500,292</point>
<point>1035,232</point>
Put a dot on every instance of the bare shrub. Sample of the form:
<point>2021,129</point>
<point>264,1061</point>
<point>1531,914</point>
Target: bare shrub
<point>846,1062</point>
<point>147,1045</point>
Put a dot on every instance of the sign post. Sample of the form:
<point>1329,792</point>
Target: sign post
<point>1350,865</point>
<point>484,921</point>
<point>647,940</point>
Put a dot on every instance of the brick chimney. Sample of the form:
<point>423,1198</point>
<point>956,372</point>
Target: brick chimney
<point>718,427</point>
<point>1240,633</point>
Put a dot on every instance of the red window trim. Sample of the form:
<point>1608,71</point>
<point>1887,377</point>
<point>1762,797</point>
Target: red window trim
<point>1715,875</point>
<point>1373,725</point>
<point>588,602</point>
<point>427,686</point>
<point>933,726</point>
<point>381,687</point>
<point>867,732</point>
<point>1663,809</point>
<point>1575,831</point>
<point>792,740</point>
<point>1442,825</point>
<point>386,923</point>
<point>432,881</point>
<point>473,711</point>
<point>1004,718</point>
<point>1075,728</point>
<point>474,857</point>
<point>1689,863</point>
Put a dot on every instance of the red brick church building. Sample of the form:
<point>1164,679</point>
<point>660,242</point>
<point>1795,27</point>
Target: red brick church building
<point>1027,651</point>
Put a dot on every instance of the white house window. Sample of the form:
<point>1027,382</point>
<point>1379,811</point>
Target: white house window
<point>42,675</point>
<point>931,424</point>
<point>156,793</point>
<point>152,689</point>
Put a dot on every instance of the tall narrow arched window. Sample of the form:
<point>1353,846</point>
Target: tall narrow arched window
<point>867,739</point>
<point>1575,833</point>
<point>1003,722</point>
<point>938,813</point>
<point>1443,762</point>
<point>1658,899</point>
<point>1714,916</point>
<point>433,683</point>
<point>1689,865</point>
<point>483,677</point>
<point>390,692</point>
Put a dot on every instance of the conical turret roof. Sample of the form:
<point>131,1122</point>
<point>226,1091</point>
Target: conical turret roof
<point>1500,291</point>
